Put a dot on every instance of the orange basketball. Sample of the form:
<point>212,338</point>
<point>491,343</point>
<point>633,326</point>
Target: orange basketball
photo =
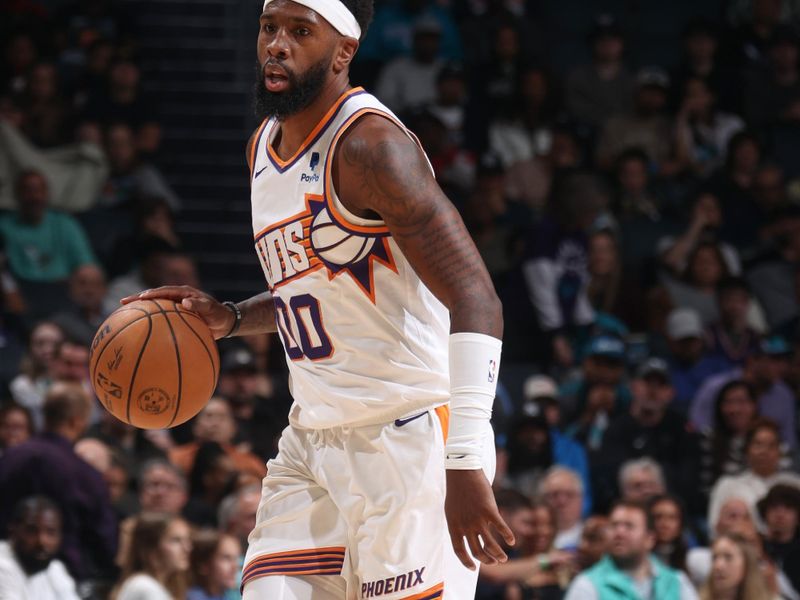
<point>154,364</point>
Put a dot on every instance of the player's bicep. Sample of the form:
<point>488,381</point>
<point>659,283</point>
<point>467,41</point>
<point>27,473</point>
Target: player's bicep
<point>384,171</point>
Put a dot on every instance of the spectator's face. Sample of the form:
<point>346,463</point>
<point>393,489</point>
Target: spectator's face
<point>781,522</point>
<point>180,270</point>
<point>764,453</point>
<point>769,187</point>
<point>240,386</point>
<point>727,567</point>
<point>746,156</point>
<point>698,97</point>
<point>708,207</point>
<point>738,410</point>
<point>544,531</point>
<point>522,523</point>
<point>564,152</point>
<point>117,481</point>
<point>15,429</point>
<point>633,176</point>
<point>602,255</point>
<point>608,49</point>
<point>451,91</point>
<point>641,485</point>
<point>534,88</point>
<point>667,522</point>
<point>32,197</point>
<point>705,269</point>
<point>175,547</point>
<point>733,306</point>
<point>701,47</point>
<point>652,394</point>
<point>36,539</point>
<point>630,539</point>
<point>595,541</point>
<point>87,287</point>
<point>124,76</point>
<point>734,516</point>
<point>215,423</point>
<point>120,148</point>
<point>563,494</point>
<point>244,518</point>
<point>43,85</point>
<point>219,476</point>
<point>506,44</point>
<point>225,565</point>
<point>44,340</point>
<point>162,491</point>
<point>687,350</point>
<point>71,364</point>
<point>426,46</point>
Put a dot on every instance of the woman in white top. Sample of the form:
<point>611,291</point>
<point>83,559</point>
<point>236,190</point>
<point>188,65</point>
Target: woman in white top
<point>157,563</point>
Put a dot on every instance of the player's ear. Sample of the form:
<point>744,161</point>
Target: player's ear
<point>344,54</point>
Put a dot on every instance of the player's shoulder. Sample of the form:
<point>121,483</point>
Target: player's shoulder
<point>373,128</point>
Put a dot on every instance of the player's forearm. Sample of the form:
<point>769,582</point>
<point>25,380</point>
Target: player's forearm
<point>477,313</point>
<point>258,315</point>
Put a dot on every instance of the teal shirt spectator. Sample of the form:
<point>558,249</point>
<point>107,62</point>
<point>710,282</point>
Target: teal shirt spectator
<point>611,583</point>
<point>45,252</point>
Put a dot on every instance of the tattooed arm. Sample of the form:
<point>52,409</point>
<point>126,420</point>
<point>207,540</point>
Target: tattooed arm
<point>378,170</point>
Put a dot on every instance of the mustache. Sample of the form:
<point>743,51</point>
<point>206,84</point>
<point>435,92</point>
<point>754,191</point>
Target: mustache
<point>274,62</point>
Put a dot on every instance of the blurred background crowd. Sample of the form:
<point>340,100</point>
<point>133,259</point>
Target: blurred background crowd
<point>630,173</point>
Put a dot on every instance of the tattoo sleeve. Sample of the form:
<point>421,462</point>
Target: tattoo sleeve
<point>382,170</point>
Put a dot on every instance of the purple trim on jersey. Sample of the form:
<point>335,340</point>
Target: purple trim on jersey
<point>314,140</point>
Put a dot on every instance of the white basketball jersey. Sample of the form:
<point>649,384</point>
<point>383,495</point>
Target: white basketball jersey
<point>365,340</point>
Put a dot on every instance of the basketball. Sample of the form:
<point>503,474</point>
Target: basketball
<point>336,246</point>
<point>153,364</point>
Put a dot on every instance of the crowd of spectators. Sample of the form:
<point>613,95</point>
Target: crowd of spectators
<point>641,223</point>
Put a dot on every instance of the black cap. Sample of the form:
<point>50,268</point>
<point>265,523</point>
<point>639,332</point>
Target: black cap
<point>654,367</point>
<point>240,359</point>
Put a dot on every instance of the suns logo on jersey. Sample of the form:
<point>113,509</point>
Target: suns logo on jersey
<point>318,238</point>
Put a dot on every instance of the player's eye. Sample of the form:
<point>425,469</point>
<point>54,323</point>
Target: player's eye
<point>268,28</point>
<point>302,31</point>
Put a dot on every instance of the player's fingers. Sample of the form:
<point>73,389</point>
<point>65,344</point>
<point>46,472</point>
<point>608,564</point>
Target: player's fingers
<point>461,552</point>
<point>478,550</point>
<point>503,529</point>
<point>172,292</point>
<point>492,548</point>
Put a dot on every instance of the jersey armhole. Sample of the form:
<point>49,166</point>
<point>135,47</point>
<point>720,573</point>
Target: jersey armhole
<point>252,146</point>
<point>338,210</point>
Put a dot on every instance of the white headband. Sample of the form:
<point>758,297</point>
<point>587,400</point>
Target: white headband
<point>335,13</point>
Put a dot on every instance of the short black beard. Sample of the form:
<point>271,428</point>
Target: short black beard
<point>301,92</point>
<point>32,565</point>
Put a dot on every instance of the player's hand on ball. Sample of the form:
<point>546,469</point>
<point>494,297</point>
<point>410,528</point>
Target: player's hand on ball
<point>218,318</point>
<point>472,514</point>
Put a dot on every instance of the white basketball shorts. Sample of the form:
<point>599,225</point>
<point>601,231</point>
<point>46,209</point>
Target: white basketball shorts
<point>363,508</point>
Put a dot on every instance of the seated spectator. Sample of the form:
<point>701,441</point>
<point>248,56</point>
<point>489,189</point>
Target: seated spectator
<point>630,570</point>
<point>130,176</point>
<point>123,102</point>
<point>722,445</point>
<point>562,491</point>
<point>652,428</point>
<point>213,476</point>
<point>48,119</point>
<point>780,511</point>
<point>690,364</point>
<point>731,337</point>
<point>260,402</point>
<point>735,572</point>
<point>29,387</point>
<point>604,87</point>
<point>118,479</point>
<point>595,542</point>
<point>647,127</point>
<point>451,101</point>
<point>16,426</point>
<point>47,464</point>
<point>162,488</point>
<point>29,569</point>
<point>215,423</point>
<point>87,290</point>
<point>762,370</point>
<point>156,565</point>
<point>669,521</point>
<point>704,226</point>
<point>703,131</point>
<point>150,272</point>
<point>237,512</point>
<point>214,565</point>
<point>43,246</point>
<point>410,81</point>
<point>641,480</point>
<point>763,458</point>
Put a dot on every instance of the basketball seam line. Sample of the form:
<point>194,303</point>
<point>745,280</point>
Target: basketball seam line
<point>178,358</point>
<point>205,347</point>
<point>111,339</point>
<point>136,366</point>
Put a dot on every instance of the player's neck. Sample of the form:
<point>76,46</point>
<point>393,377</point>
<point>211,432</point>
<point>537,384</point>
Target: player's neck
<point>296,128</point>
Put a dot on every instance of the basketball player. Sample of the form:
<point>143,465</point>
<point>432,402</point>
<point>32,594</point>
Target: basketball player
<point>386,314</point>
